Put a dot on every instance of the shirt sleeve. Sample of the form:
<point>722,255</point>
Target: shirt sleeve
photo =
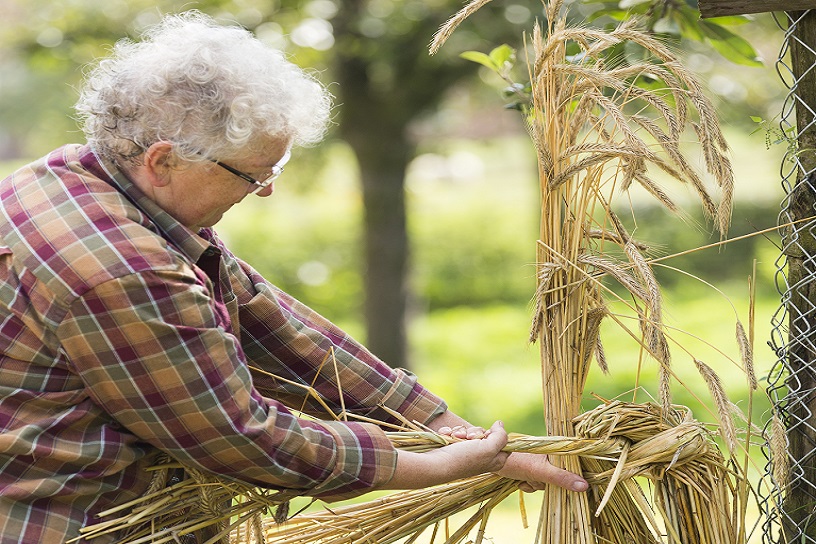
<point>287,339</point>
<point>152,354</point>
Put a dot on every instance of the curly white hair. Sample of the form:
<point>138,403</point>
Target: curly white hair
<point>211,90</point>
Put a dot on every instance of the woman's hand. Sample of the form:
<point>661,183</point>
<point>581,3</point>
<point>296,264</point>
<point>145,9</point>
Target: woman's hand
<point>532,469</point>
<point>535,471</point>
<point>451,462</point>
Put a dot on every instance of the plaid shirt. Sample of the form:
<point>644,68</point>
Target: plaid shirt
<point>123,334</point>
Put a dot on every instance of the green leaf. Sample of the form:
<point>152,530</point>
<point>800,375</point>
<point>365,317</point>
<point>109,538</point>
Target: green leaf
<point>480,58</point>
<point>730,20</point>
<point>616,14</point>
<point>689,22</point>
<point>729,45</point>
<point>666,25</point>
<point>501,55</point>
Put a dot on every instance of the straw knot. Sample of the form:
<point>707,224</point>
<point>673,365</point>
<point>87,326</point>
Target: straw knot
<point>659,441</point>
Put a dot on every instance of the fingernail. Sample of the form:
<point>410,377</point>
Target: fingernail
<point>580,486</point>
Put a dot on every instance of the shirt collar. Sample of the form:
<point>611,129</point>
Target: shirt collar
<point>191,244</point>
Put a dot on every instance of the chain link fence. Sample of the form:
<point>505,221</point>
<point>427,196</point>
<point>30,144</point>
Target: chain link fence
<point>788,488</point>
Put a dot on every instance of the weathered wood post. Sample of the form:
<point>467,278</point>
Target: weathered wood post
<point>799,505</point>
<point>798,509</point>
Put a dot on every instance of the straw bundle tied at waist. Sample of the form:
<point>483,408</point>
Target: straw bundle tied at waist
<point>616,442</point>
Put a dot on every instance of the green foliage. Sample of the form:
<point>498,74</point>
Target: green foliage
<point>473,251</point>
<point>500,59</point>
<point>306,243</point>
<point>682,20</point>
<point>728,44</point>
<point>776,135</point>
<point>482,347</point>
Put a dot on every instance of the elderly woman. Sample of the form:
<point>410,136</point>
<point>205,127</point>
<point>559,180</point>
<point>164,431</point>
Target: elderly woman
<point>128,329</point>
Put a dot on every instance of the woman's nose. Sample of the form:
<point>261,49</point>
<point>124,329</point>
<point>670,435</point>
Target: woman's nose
<point>267,191</point>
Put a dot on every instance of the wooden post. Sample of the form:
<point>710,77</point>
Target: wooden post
<point>798,509</point>
<point>800,499</point>
<point>718,8</point>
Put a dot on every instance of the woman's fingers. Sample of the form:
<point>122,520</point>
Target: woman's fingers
<point>464,432</point>
<point>536,471</point>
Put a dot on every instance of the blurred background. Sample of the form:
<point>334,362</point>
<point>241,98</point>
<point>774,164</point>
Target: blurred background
<point>414,225</point>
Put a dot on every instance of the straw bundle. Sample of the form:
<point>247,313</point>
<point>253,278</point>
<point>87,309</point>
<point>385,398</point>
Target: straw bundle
<point>616,442</point>
<point>597,131</point>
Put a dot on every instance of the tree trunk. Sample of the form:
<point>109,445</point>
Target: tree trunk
<point>375,128</point>
<point>385,84</point>
<point>800,498</point>
<point>383,164</point>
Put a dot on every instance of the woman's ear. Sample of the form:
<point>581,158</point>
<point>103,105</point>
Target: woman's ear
<point>158,163</point>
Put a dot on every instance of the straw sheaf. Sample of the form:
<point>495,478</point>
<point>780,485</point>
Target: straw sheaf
<point>616,442</point>
<point>596,132</point>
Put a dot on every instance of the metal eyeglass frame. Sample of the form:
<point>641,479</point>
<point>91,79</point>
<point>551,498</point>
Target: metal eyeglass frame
<point>275,172</point>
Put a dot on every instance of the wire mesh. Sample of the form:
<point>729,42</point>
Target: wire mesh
<point>788,488</point>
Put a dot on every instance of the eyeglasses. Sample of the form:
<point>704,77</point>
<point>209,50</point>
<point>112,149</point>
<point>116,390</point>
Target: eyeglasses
<point>259,185</point>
